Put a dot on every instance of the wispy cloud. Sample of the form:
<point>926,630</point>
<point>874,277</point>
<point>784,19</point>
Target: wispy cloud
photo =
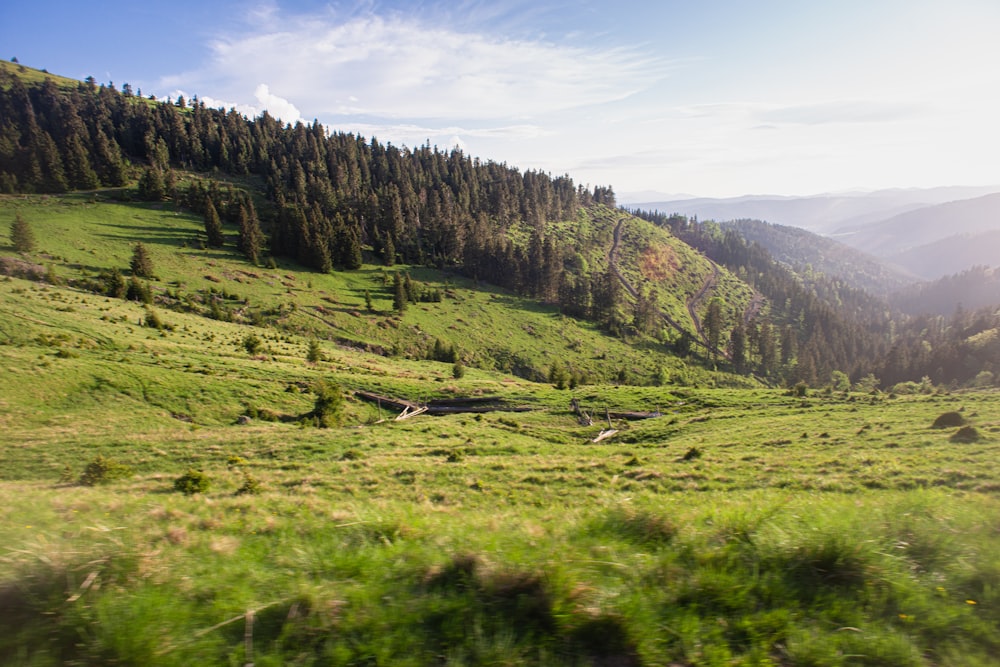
<point>840,111</point>
<point>397,66</point>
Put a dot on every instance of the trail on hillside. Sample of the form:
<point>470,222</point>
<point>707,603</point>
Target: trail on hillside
<point>613,263</point>
<point>695,301</point>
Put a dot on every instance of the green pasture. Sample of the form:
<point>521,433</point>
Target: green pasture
<point>741,525</point>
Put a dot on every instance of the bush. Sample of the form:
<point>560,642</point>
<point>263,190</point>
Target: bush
<point>949,420</point>
<point>328,409</point>
<point>966,434</point>
<point>251,486</point>
<point>141,263</point>
<point>192,482</point>
<point>104,471</point>
<point>252,344</point>
<point>315,353</point>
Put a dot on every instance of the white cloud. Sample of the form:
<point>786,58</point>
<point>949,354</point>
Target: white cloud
<point>399,67</point>
<point>276,106</point>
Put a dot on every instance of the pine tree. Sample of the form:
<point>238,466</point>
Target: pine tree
<point>142,262</point>
<point>138,291</point>
<point>399,299</point>
<point>713,326</point>
<point>738,347</point>
<point>328,409</point>
<point>213,225</point>
<point>251,239</point>
<point>113,283</point>
<point>21,236</point>
<point>315,352</point>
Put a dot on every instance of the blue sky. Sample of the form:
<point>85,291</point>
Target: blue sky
<point>702,97</point>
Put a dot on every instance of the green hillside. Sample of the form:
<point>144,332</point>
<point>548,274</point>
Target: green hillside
<point>229,461</point>
<point>742,526</point>
<point>81,235</point>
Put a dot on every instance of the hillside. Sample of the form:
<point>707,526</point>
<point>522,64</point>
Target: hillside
<point>969,290</point>
<point>805,251</point>
<point>924,226</point>
<point>275,396</point>
<point>84,236</point>
<point>167,475</point>
<point>950,255</point>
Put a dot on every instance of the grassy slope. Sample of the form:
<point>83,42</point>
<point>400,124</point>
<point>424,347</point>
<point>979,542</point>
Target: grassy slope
<point>744,526</point>
<point>82,234</point>
<point>31,76</point>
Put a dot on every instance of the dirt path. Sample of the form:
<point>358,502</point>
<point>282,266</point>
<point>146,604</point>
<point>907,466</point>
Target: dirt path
<point>613,263</point>
<point>711,280</point>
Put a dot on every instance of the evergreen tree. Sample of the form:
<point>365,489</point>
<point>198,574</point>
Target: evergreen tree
<point>139,291</point>
<point>399,299</point>
<point>315,353</point>
<point>251,240</point>
<point>388,251</point>
<point>712,325</point>
<point>738,347</point>
<point>213,225</point>
<point>113,284</point>
<point>21,236</point>
<point>151,186</point>
<point>142,262</point>
<point>328,410</point>
<point>767,349</point>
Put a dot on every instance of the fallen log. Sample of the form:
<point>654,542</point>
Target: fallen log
<point>397,403</point>
<point>605,434</point>
<point>455,409</point>
<point>407,413</point>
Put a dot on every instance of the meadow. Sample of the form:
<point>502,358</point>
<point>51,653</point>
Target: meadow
<point>167,500</point>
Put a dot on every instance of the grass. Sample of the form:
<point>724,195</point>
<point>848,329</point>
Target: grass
<point>494,330</point>
<point>829,529</point>
<point>744,526</point>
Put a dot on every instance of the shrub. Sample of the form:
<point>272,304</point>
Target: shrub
<point>141,263</point>
<point>315,353</point>
<point>192,482</point>
<point>104,470</point>
<point>966,434</point>
<point>251,486</point>
<point>328,409</point>
<point>458,370</point>
<point>252,344</point>
<point>153,319</point>
<point>21,236</point>
<point>949,420</point>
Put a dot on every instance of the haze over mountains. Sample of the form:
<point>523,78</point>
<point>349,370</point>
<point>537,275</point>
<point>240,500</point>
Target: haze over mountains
<point>928,233</point>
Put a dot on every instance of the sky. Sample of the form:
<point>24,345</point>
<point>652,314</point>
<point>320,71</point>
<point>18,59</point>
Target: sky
<point>700,97</point>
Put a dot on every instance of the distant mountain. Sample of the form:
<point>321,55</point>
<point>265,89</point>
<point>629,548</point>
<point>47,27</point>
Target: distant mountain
<point>906,231</point>
<point>974,288</point>
<point>950,255</point>
<point>803,250</point>
<point>823,214</point>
